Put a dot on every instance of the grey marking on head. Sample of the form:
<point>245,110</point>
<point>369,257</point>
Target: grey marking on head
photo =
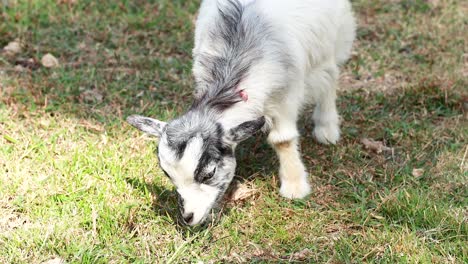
<point>203,124</point>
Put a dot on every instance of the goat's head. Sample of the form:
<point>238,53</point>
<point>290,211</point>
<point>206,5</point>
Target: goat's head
<point>197,154</point>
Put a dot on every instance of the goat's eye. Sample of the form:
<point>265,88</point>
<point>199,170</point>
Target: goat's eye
<point>209,175</point>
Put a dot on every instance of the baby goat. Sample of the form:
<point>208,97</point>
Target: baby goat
<point>257,63</point>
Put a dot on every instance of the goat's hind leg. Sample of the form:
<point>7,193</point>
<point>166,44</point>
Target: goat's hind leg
<point>284,139</point>
<point>326,118</point>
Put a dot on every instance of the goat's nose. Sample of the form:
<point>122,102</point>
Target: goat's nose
<point>188,217</point>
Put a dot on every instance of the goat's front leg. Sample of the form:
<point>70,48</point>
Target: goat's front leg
<point>284,139</point>
<point>293,176</point>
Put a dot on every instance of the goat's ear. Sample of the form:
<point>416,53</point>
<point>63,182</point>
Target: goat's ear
<point>148,125</point>
<point>244,130</point>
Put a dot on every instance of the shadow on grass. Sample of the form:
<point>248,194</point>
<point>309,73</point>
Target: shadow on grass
<point>347,173</point>
<point>166,206</point>
<point>166,202</point>
<point>255,158</point>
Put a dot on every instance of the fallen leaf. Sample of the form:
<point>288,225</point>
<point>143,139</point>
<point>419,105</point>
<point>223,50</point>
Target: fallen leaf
<point>301,255</point>
<point>92,96</point>
<point>104,139</point>
<point>140,94</point>
<point>433,2</point>
<point>68,2</point>
<point>31,63</point>
<point>418,172</point>
<point>45,123</point>
<point>12,48</point>
<point>49,61</point>
<point>90,126</point>
<point>241,192</point>
<point>376,216</point>
<point>375,146</point>
<point>82,46</point>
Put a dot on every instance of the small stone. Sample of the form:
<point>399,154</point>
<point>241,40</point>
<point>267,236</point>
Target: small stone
<point>13,48</point>
<point>19,68</point>
<point>49,61</point>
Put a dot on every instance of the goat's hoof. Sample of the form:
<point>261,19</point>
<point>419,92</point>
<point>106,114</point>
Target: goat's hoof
<point>295,190</point>
<point>327,134</point>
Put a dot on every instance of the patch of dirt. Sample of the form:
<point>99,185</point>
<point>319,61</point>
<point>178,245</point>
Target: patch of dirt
<point>11,221</point>
<point>54,261</point>
<point>262,254</point>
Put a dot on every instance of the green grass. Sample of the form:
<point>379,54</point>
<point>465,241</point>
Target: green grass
<point>78,183</point>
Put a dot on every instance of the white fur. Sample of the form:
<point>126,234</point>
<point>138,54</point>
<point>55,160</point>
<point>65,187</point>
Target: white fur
<point>198,199</point>
<point>317,36</point>
<point>304,43</point>
<point>293,176</point>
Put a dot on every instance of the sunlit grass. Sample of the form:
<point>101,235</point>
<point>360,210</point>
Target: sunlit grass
<point>78,183</point>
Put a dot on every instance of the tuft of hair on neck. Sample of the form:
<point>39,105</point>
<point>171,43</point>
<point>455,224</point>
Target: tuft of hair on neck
<point>241,38</point>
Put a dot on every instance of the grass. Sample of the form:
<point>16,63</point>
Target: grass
<point>77,183</point>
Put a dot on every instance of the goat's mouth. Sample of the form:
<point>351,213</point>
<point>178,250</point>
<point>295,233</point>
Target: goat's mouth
<point>203,219</point>
<point>198,210</point>
<point>192,220</point>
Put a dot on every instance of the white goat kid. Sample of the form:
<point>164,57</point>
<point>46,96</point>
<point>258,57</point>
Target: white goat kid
<point>257,63</point>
